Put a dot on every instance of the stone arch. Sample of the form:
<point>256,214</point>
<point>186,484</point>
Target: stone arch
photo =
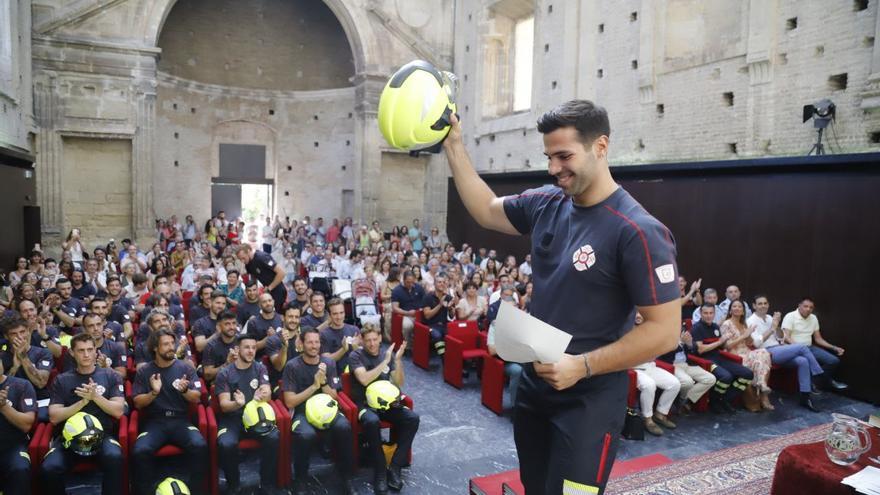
<point>158,13</point>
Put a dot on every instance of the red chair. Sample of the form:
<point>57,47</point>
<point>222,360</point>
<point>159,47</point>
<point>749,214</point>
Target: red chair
<point>345,396</point>
<point>283,420</point>
<point>244,444</point>
<point>184,301</point>
<point>632,396</point>
<point>396,329</point>
<point>492,386</point>
<point>421,345</point>
<point>462,344</point>
<point>38,451</point>
<point>37,432</point>
<point>199,418</point>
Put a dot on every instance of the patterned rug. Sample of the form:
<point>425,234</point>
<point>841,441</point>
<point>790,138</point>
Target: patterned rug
<point>743,470</point>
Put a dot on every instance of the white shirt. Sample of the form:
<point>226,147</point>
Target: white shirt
<point>525,268</point>
<point>801,328</point>
<point>761,327</point>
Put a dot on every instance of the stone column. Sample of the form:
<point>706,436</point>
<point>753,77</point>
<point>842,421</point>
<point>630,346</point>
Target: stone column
<point>759,103</point>
<point>368,142</point>
<point>142,214</point>
<point>49,158</point>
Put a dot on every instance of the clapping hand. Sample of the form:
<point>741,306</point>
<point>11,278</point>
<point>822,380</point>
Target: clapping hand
<point>321,375</point>
<point>155,383</point>
<point>399,354</point>
<point>4,397</point>
<point>182,384</point>
<point>238,397</point>
<point>389,353</point>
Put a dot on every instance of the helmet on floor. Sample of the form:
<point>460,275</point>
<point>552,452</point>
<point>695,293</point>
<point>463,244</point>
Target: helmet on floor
<point>321,411</point>
<point>258,418</point>
<point>82,434</point>
<point>382,395</point>
<point>415,107</point>
<point>172,486</point>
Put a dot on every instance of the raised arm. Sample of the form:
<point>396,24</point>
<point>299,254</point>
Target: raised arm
<point>486,208</point>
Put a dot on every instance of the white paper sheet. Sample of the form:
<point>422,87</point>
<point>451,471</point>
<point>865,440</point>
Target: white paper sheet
<point>865,481</point>
<point>522,338</point>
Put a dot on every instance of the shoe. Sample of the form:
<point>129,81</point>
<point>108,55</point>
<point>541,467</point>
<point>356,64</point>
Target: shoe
<point>380,483</point>
<point>716,407</point>
<point>686,408</point>
<point>664,421</point>
<point>652,428</point>
<point>836,385</point>
<point>727,407</point>
<point>807,402</point>
<point>395,482</point>
<point>765,402</point>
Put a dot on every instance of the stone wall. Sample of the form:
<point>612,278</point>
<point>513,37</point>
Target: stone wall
<point>681,79</point>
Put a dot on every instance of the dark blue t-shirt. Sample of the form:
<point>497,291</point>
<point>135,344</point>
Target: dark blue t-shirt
<point>169,400</point>
<point>230,379</point>
<point>592,266</point>
<point>700,332</point>
<point>62,391</point>
<point>331,341</point>
<point>408,299</point>
<point>20,393</point>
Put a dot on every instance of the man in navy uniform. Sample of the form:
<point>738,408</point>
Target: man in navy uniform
<point>222,347</point>
<point>264,324</point>
<point>264,268</point>
<point>597,256</point>
<point>237,384</point>
<point>307,375</point>
<point>369,364</point>
<point>22,359</point>
<point>18,411</point>
<point>93,390</point>
<point>163,391</point>
<point>338,338</point>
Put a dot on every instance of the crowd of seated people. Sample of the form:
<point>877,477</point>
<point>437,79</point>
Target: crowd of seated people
<point>188,299</point>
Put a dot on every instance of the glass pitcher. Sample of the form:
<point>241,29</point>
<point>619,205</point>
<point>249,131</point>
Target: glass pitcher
<point>847,440</point>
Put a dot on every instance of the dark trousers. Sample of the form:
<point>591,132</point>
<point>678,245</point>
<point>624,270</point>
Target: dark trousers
<point>304,437</point>
<point>566,440</point>
<point>404,421</point>
<point>230,432</point>
<point>160,432</point>
<point>732,379</point>
<point>438,336</point>
<point>15,468</point>
<point>279,295</point>
<point>58,461</point>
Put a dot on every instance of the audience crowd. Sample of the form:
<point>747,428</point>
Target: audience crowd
<point>194,302</point>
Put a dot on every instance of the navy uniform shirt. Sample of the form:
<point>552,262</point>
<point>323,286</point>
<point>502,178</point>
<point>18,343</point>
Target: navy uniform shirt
<point>230,379</point>
<point>197,312</point>
<point>119,311</point>
<point>700,332</point>
<point>363,359</point>
<point>109,385</point>
<point>40,357</point>
<point>169,402</point>
<point>408,299</point>
<point>431,301</point>
<point>116,328</point>
<point>262,266</point>
<point>204,326</point>
<point>246,310</point>
<point>313,321</point>
<point>299,375</point>
<point>216,352</point>
<point>592,266</point>
<point>72,307</point>
<point>113,351</point>
<point>84,292</point>
<point>273,347</point>
<point>331,341</point>
<point>259,326</point>
<point>21,396</point>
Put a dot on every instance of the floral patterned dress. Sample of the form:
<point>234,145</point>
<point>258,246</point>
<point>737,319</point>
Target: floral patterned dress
<point>757,360</point>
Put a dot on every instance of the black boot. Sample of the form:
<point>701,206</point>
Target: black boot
<point>347,487</point>
<point>380,483</point>
<point>807,402</point>
<point>395,482</point>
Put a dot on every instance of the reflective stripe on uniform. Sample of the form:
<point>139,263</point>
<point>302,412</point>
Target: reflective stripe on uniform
<point>193,428</point>
<point>294,425</point>
<point>573,488</point>
<point>25,455</point>
<point>222,431</point>
<point>142,435</point>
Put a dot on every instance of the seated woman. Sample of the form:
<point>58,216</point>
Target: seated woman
<point>739,338</point>
<point>472,306</point>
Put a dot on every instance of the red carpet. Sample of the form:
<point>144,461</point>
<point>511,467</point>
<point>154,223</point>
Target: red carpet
<point>508,481</point>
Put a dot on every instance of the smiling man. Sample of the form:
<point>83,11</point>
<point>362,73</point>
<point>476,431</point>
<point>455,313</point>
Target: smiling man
<point>597,256</point>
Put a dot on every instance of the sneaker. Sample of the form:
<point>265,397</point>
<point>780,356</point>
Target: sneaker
<point>664,421</point>
<point>836,385</point>
<point>395,481</point>
<point>652,428</point>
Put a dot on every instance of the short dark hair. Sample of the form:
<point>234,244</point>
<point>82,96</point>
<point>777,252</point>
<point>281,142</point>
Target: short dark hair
<point>336,301</point>
<point>317,293</point>
<point>305,331</point>
<point>250,283</point>
<point>203,287</point>
<point>217,293</point>
<point>245,336</point>
<point>590,120</point>
<point>759,296</point>
<point>139,278</point>
<point>14,320</point>
<point>61,280</point>
<point>225,315</point>
<point>230,272</point>
<point>153,339</point>
<point>707,305</point>
<point>81,337</point>
<point>91,315</point>
<point>97,299</point>
<point>806,298</point>
<point>290,306</point>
